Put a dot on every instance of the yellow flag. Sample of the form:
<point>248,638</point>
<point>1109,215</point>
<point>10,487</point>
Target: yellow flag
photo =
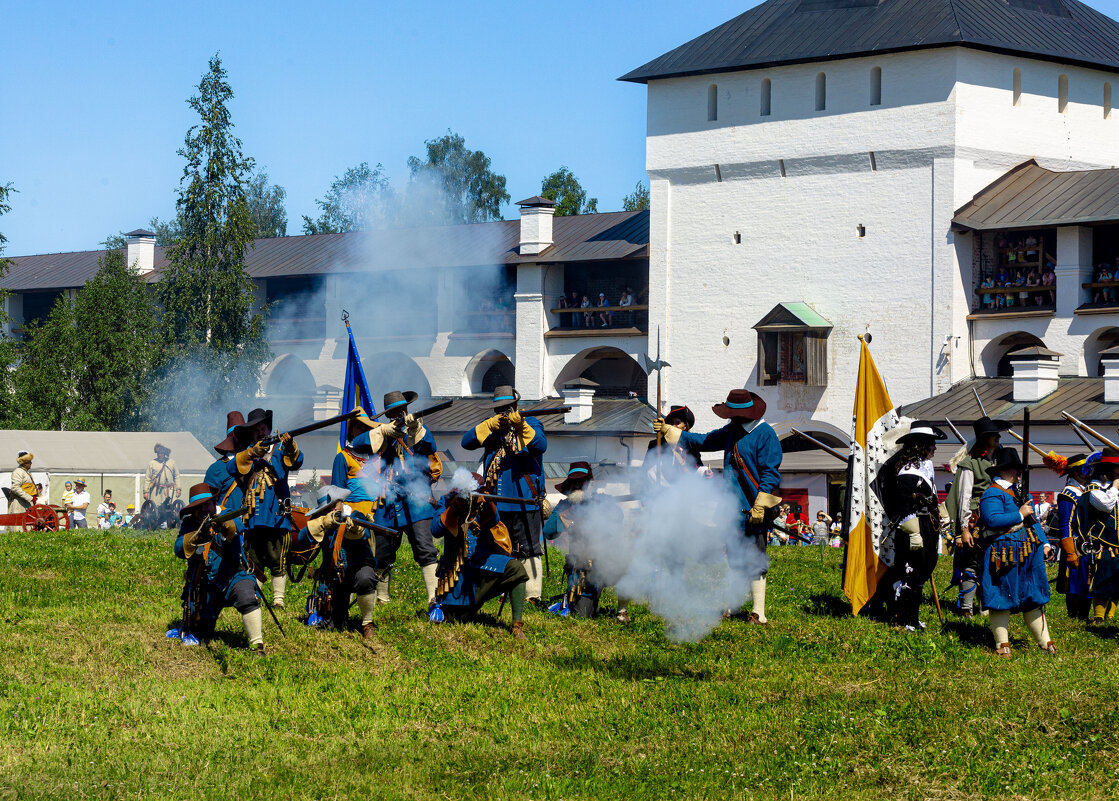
<point>874,415</point>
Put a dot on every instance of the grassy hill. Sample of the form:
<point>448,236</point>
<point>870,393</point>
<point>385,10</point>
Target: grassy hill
<point>96,703</point>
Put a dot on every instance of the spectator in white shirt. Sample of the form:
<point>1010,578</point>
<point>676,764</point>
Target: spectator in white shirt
<point>78,504</point>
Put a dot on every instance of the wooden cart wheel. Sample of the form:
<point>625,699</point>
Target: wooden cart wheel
<point>40,518</point>
<point>63,518</point>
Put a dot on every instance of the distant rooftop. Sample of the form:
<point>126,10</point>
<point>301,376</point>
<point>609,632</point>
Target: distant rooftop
<point>798,31</point>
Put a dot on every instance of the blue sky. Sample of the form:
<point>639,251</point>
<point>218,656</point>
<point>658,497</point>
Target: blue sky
<point>93,95</point>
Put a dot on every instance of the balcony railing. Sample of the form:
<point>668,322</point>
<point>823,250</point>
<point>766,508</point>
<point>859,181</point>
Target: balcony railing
<point>1015,299</point>
<point>629,319</point>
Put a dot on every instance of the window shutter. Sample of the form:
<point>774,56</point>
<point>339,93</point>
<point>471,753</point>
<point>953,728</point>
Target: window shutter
<point>816,358</point>
<point>767,358</point>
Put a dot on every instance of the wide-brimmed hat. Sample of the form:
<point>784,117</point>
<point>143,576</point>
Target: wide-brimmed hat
<point>577,471</point>
<point>24,456</point>
<point>199,494</point>
<point>255,416</point>
<point>922,431</point>
<point>985,425</point>
<point>1005,458</point>
<point>1106,456</point>
<point>326,497</point>
<point>678,414</point>
<point>396,399</point>
<point>1076,465</point>
<point>78,481</point>
<point>505,395</point>
<point>741,404</point>
<point>356,426</point>
<point>232,420</point>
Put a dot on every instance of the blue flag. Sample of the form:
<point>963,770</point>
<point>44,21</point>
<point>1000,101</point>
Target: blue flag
<point>356,391</point>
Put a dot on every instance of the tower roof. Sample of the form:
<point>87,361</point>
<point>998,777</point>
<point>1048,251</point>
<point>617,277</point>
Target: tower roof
<point>798,31</point>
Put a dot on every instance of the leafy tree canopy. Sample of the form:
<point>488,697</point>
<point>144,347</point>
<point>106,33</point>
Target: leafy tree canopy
<point>639,200</point>
<point>468,190</point>
<point>570,197</point>
<point>266,206</point>
<point>360,199</point>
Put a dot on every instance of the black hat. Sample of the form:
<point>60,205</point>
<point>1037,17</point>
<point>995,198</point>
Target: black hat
<point>505,395</point>
<point>1005,457</point>
<point>255,416</point>
<point>578,472</point>
<point>394,399</point>
<point>680,414</point>
<point>985,425</point>
<point>922,431</point>
<point>232,420</point>
<point>1076,465</point>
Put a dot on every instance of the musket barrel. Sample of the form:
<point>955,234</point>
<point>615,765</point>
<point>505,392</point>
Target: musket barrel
<point>505,498</point>
<point>822,446</point>
<point>392,532</point>
<point>438,407</point>
<point>330,421</point>
<point>1088,429</point>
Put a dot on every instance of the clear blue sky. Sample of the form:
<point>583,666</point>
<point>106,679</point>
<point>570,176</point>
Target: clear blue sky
<point>92,96</point>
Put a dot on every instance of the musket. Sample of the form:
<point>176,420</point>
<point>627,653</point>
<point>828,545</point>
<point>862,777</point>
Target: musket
<point>827,448</point>
<point>271,611</point>
<point>365,524</point>
<point>295,432</point>
<point>438,407</point>
<point>956,431</point>
<point>1089,430</point>
<point>980,402</point>
<point>540,411</point>
<point>505,499</point>
<point>207,527</point>
<point>788,531</point>
<point>1080,435</point>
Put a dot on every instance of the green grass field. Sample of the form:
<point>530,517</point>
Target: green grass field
<point>96,703</point>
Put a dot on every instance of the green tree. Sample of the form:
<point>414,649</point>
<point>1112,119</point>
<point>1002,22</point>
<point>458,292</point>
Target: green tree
<point>266,206</point>
<point>468,190</point>
<point>7,344</point>
<point>87,365</point>
<point>358,200</point>
<point>570,197</point>
<point>167,232</point>
<point>639,200</point>
<point>214,335</point>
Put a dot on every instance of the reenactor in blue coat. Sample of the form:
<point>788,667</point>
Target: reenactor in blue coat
<point>669,461</point>
<point>1097,528</point>
<point>352,465</point>
<point>217,475</point>
<point>398,479</point>
<point>513,460</point>
<point>349,565</point>
<point>1073,572</point>
<point>216,574</point>
<point>1012,569</point>
<point>751,467</point>
<point>260,482</point>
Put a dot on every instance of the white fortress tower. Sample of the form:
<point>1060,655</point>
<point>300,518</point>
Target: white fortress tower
<point>806,161</point>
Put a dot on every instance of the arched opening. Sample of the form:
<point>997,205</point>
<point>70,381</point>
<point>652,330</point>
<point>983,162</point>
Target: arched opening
<point>1096,344</point>
<point>615,372</point>
<point>766,97</point>
<point>394,371</point>
<point>876,86</point>
<point>289,389</point>
<point>997,354</point>
<point>1107,101</point>
<point>487,370</point>
<point>712,103</point>
<point>1062,94</point>
<point>821,91</point>
<point>1017,87</point>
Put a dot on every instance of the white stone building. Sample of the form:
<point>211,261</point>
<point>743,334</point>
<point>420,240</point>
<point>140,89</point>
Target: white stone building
<point>816,152</point>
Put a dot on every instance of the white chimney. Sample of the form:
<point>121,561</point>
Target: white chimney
<point>536,225</point>
<point>1109,360</point>
<point>1035,373</point>
<point>141,250</point>
<point>579,395</point>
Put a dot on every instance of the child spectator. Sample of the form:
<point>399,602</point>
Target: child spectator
<point>588,317</point>
<point>605,317</point>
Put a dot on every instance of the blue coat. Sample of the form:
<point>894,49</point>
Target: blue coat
<point>347,472</point>
<point>217,476</point>
<point>481,557</point>
<point>1020,584</point>
<point>1066,511</point>
<point>761,453</point>
<point>267,512</point>
<point>221,572</point>
<point>402,484</point>
<point>517,467</point>
<point>356,549</point>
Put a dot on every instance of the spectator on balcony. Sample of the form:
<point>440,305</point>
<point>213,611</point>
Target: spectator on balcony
<point>604,317</point>
<point>563,318</point>
<point>987,298</point>
<point>573,303</point>
<point>627,300</point>
<point>1049,279</point>
<point>588,316</point>
<point>1104,294</point>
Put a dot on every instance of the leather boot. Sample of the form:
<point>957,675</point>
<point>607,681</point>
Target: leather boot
<point>519,630</point>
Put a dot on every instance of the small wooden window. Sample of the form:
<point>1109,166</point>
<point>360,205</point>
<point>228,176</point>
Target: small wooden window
<point>1062,94</point>
<point>793,357</point>
<point>767,97</point>
<point>876,86</point>
<point>712,103</point>
<point>1017,87</point>
<point>821,91</point>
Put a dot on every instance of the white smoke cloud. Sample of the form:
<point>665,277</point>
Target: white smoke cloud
<point>681,552</point>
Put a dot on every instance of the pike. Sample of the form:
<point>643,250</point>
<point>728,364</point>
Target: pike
<point>827,448</point>
<point>956,431</point>
<point>438,407</point>
<point>295,432</point>
<point>982,410</point>
<point>658,364</point>
<point>1025,439</point>
<point>1089,430</point>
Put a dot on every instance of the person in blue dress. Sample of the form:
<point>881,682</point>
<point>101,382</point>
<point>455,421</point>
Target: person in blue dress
<point>751,467</point>
<point>260,482</point>
<point>216,574</point>
<point>1073,572</point>
<point>477,562</point>
<point>513,460</point>
<point>1012,568</point>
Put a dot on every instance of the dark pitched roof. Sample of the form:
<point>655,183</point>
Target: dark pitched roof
<point>795,31</point>
<point>609,417</point>
<point>1030,196</point>
<point>536,200</point>
<point>141,232</point>
<point>1080,397</point>
<point>610,236</point>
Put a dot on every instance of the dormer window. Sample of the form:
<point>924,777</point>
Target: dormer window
<point>793,346</point>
